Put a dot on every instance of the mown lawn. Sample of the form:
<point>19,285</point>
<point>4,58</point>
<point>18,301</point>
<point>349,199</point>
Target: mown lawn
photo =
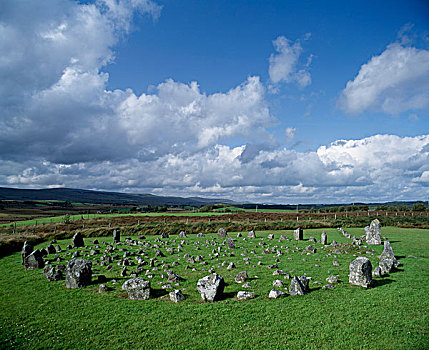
<point>35,313</point>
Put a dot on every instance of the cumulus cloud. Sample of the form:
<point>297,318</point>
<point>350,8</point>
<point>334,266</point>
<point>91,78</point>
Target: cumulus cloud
<point>284,64</point>
<point>395,81</point>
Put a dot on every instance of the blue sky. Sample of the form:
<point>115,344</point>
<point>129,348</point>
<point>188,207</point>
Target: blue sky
<point>269,101</point>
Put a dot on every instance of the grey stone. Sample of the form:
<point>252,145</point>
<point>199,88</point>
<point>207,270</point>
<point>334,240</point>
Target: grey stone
<point>52,274</point>
<point>377,272</point>
<point>241,277</point>
<point>221,233</point>
<point>278,283</point>
<point>173,278</point>
<point>239,235</point>
<point>299,285</point>
<point>324,238</point>
<point>270,236</point>
<point>328,286</point>
<point>275,294</point>
<point>164,235</point>
<point>251,234</point>
<point>51,249</point>
<point>137,288</point>
<point>388,260</point>
<point>312,239</point>
<point>27,249</point>
<point>182,234</point>
<point>102,288</point>
<point>78,273</point>
<point>34,261</point>
<point>298,234</point>
<point>373,233</point>
<point>77,240</point>
<point>211,287</point>
<point>200,235</point>
<point>176,296</point>
<point>231,244</point>
<point>244,295</point>
<point>360,272</point>
<point>231,266</point>
<point>332,279</point>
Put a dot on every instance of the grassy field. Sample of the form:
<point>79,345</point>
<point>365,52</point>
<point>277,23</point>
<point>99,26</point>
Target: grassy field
<point>35,313</point>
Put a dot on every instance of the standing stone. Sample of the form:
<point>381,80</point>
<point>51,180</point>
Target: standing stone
<point>298,234</point>
<point>360,272</point>
<point>324,238</point>
<point>34,261</point>
<point>77,240</point>
<point>137,288</point>
<point>251,234</point>
<point>299,285</point>
<point>387,259</point>
<point>376,272</point>
<point>27,249</point>
<point>211,287</point>
<point>51,249</point>
<point>221,233</point>
<point>78,273</point>
<point>200,235</point>
<point>116,236</point>
<point>241,277</point>
<point>231,244</point>
<point>176,296</point>
<point>182,234</point>
<point>373,233</point>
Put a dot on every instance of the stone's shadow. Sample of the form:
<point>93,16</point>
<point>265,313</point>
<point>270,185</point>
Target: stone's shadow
<point>158,293</point>
<point>393,242</point>
<point>400,256</point>
<point>228,295</point>
<point>314,289</point>
<point>382,282</point>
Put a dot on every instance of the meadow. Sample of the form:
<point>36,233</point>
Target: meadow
<point>36,313</point>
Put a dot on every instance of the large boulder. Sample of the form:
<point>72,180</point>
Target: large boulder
<point>373,233</point>
<point>388,260</point>
<point>299,285</point>
<point>137,288</point>
<point>211,287</point>
<point>360,272</point>
<point>27,249</point>
<point>77,240</point>
<point>298,234</point>
<point>34,261</point>
<point>78,273</point>
<point>221,233</point>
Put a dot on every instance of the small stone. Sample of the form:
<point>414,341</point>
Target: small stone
<point>52,274</point>
<point>299,285</point>
<point>176,296</point>
<point>244,295</point>
<point>328,286</point>
<point>241,277</point>
<point>251,234</point>
<point>231,266</point>
<point>102,288</point>
<point>332,279</point>
<point>221,233</point>
<point>278,283</point>
<point>275,294</point>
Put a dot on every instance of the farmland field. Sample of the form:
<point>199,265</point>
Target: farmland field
<point>392,315</point>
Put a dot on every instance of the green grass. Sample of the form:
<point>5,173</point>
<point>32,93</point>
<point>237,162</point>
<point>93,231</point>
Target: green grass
<point>254,210</point>
<point>75,217</point>
<point>35,313</point>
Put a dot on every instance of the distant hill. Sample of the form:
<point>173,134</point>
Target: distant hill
<point>101,197</point>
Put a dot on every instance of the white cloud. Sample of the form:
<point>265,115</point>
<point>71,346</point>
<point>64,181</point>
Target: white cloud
<point>395,81</point>
<point>284,63</point>
<point>289,133</point>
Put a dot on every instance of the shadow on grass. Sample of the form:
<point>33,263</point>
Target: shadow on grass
<point>158,293</point>
<point>227,295</point>
<point>382,282</point>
